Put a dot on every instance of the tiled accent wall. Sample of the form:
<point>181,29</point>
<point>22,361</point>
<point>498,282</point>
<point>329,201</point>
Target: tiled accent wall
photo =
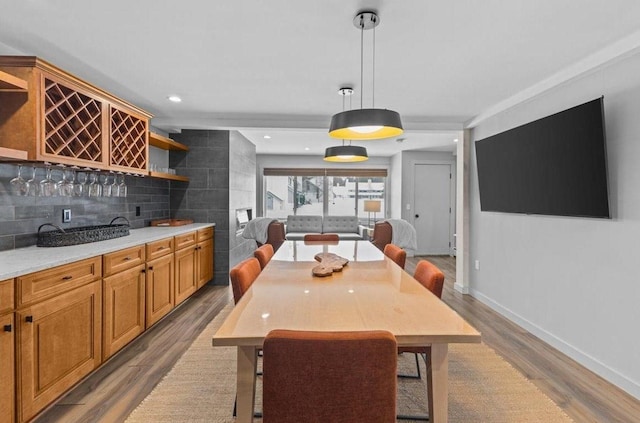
<point>205,198</point>
<point>20,217</point>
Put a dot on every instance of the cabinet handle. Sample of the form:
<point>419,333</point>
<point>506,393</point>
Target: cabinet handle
<point>143,271</point>
<point>126,259</point>
<point>66,278</point>
<point>28,319</point>
<point>7,328</point>
<point>150,267</point>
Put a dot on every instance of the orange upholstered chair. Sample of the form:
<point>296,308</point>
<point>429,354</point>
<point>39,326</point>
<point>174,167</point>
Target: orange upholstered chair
<point>242,276</point>
<point>264,254</point>
<point>395,253</point>
<point>431,278</point>
<point>321,377</point>
<point>382,235</point>
<point>322,237</point>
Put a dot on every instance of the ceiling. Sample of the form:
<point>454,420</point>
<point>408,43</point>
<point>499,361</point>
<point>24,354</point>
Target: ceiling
<point>274,67</point>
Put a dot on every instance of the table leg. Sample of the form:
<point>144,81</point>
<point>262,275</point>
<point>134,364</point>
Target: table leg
<point>246,383</point>
<point>438,401</point>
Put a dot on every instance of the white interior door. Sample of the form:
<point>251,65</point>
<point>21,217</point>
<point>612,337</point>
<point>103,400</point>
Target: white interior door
<point>432,208</point>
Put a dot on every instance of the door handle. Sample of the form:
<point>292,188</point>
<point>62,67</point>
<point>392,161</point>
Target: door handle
<point>7,328</point>
<point>28,319</point>
<point>417,216</point>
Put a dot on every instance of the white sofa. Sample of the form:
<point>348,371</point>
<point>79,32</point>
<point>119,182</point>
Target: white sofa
<point>346,227</point>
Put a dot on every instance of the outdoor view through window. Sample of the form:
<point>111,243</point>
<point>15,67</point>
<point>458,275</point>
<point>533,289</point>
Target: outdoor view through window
<point>323,195</point>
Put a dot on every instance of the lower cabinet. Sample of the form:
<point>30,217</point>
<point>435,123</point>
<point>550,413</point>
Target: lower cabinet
<point>186,282</point>
<point>124,308</point>
<point>160,288</point>
<point>58,343</point>
<point>7,369</point>
<point>204,265</point>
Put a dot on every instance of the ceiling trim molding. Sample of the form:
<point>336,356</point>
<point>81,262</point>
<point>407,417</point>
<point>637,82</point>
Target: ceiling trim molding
<point>620,49</point>
<point>286,122</point>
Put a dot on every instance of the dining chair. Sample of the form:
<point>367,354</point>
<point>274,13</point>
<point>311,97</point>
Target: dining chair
<point>264,254</point>
<point>321,237</point>
<point>432,278</point>
<point>242,276</point>
<point>321,377</point>
<point>395,253</point>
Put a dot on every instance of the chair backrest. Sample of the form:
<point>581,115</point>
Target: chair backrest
<point>382,234</point>
<point>322,237</point>
<point>430,277</point>
<point>264,254</point>
<point>329,377</point>
<point>242,276</point>
<point>396,254</point>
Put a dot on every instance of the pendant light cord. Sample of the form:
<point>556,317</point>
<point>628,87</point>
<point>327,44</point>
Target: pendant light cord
<point>361,59</point>
<point>373,83</point>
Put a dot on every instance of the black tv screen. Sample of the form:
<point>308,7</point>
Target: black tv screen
<point>552,166</point>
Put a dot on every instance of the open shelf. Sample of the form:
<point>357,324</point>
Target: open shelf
<point>12,154</point>
<point>12,83</point>
<point>163,175</point>
<point>165,143</point>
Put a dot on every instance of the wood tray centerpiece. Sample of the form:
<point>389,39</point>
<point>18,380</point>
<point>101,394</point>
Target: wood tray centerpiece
<point>329,263</point>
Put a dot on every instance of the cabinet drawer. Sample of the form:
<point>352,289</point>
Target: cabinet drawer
<point>122,260</point>
<point>159,248</point>
<point>47,283</point>
<point>185,240</point>
<point>6,296</point>
<point>204,234</point>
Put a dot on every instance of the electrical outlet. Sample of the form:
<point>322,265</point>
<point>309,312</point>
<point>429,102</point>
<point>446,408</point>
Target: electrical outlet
<point>477,264</point>
<point>137,210</point>
<point>66,215</point>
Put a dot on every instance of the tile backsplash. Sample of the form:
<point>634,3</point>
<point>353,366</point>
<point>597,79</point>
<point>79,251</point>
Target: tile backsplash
<point>21,216</point>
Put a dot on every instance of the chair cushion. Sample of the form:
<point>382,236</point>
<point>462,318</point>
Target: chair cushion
<point>305,224</point>
<point>340,224</point>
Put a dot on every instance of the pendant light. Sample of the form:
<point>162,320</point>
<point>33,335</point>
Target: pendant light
<point>345,153</point>
<point>366,124</point>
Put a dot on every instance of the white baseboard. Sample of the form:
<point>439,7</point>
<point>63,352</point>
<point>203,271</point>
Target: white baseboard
<point>461,288</point>
<point>630,386</point>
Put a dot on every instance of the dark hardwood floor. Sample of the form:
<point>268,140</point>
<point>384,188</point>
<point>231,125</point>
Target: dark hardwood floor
<point>112,392</point>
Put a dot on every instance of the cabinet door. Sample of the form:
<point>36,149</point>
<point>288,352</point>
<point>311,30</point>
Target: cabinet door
<point>7,372</point>
<point>160,288</point>
<point>128,141</point>
<point>205,262</point>
<point>186,282</point>
<point>123,309</point>
<point>74,124</point>
<point>59,343</point>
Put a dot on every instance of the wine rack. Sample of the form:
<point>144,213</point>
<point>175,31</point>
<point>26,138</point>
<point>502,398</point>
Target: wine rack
<point>128,141</point>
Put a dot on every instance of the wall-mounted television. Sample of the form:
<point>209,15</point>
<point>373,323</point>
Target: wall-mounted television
<point>556,165</point>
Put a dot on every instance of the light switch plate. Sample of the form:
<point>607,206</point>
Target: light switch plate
<point>66,215</point>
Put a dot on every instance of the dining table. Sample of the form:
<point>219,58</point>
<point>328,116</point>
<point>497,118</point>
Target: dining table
<point>371,292</point>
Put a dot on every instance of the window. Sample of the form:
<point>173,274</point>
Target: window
<point>324,192</point>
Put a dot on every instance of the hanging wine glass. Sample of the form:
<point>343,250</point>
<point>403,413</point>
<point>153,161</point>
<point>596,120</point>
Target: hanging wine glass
<point>65,186</point>
<point>106,186</point>
<point>94,188</point>
<point>18,185</point>
<point>48,187</point>
<point>77,185</point>
<point>114,186</point>
<point>33,184</point>
<point>122,187</point>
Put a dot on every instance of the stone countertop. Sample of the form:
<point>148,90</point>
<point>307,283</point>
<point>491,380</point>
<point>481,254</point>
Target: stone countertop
<point>21,261</point>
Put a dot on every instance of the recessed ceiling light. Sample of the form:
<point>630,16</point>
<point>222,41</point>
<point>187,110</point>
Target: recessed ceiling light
<point>174,98</point>
<point>307,149</point>
<point>455,140</point>
<point>267,137</point>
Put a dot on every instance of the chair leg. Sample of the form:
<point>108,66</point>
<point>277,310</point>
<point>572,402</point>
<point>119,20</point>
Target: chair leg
<point>418,375</point>
<point>423,418</point>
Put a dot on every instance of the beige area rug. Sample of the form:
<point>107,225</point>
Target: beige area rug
<point>482,388</point>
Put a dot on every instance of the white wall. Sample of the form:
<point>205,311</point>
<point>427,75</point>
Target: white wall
<point>395,189</point>
<point>574,282</point>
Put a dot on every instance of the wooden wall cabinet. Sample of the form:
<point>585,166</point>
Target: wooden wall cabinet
<point>160,280</point>
<point>7,349</point>
<point>58,343</point>
<point>63,119</point>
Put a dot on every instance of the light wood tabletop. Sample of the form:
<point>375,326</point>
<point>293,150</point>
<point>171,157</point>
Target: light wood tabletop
<point>370,293</point>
